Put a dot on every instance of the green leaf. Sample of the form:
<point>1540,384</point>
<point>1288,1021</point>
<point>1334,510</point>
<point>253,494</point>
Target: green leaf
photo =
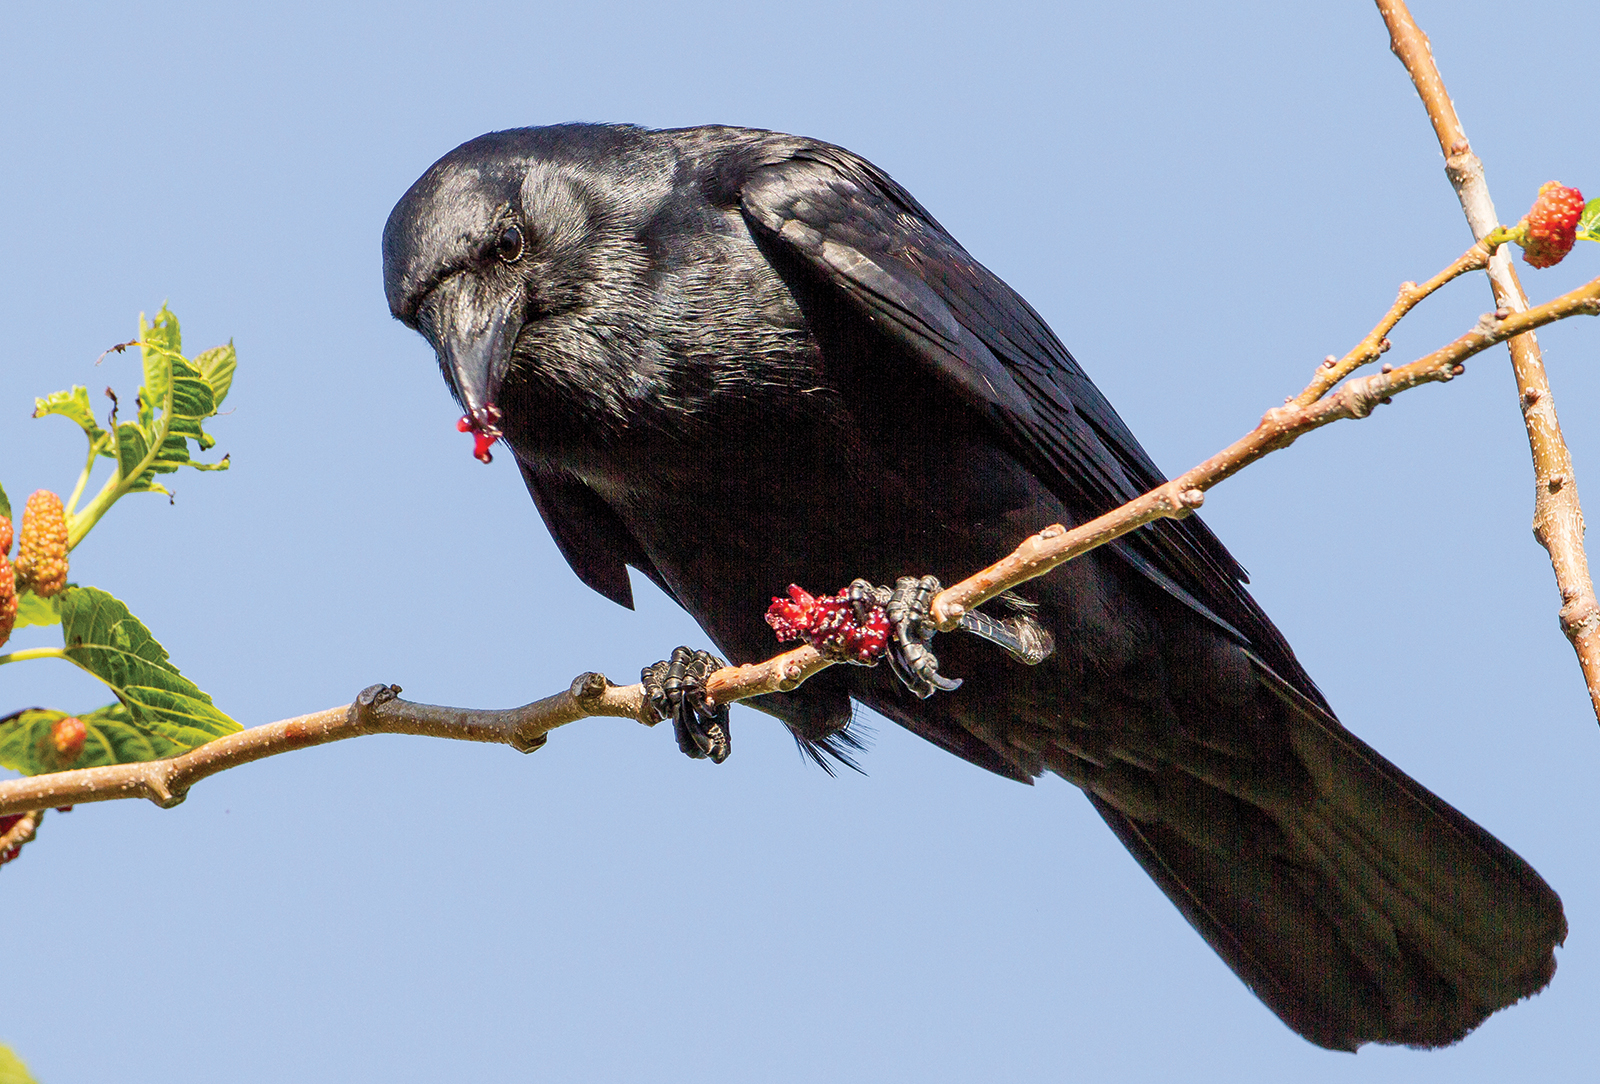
<point>33,610</point>
<point>194,395</point>
<point>192,402</point>
<point>111,737</point>
<point>162,342</point>
<point>217,366</point>
<point>12,1071</point>
<point>72,404</point>
<point>1589,221</point>
<point>105,639</point>
<point>132,447</point>
<point>5,504</point>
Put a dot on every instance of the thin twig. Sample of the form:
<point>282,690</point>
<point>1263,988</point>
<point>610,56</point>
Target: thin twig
<point>1333,370</point>
<point>1557,514</point>
<point>379,711</point>
<point>1279,428</point>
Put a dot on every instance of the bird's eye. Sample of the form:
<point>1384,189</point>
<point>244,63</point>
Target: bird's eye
<point>509,246</point>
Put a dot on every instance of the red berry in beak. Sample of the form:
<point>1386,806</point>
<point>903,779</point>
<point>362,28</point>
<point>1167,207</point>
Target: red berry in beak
<point>483,435</point>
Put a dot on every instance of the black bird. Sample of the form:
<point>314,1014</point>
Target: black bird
<point>736,359</point>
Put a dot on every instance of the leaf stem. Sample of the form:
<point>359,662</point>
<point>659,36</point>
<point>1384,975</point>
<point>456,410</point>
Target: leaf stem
<point>119,484</point>
<point>30,653</point>
<point>83,477</point>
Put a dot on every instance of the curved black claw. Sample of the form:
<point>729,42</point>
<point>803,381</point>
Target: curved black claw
<point>912,660</point>
<point>676,689</point>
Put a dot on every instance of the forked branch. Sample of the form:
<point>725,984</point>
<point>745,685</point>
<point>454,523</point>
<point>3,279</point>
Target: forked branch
<point>378,710</point>
<point>1557,514</point>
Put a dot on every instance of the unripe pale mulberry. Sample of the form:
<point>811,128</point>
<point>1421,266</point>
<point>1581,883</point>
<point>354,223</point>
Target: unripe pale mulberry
<point>42,545</point>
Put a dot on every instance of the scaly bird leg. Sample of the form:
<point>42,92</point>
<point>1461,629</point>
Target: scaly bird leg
<point>676,688</point>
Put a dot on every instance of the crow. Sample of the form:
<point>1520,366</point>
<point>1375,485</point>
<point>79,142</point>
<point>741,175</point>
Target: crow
<point>735,359</point>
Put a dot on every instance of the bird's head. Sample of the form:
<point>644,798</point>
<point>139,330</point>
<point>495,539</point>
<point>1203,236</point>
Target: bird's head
<point>507,240</point>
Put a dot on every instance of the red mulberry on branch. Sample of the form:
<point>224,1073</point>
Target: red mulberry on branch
<point>1550,228</point>
<point>8,599</point>
<point>829,625</point>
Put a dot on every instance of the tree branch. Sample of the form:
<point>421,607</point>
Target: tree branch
<point>378,710</point>
<point>1279,427</point>
<point>1557,514</point>
<point>22,831</point>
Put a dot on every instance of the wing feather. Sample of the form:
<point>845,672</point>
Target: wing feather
<point>982,342</point>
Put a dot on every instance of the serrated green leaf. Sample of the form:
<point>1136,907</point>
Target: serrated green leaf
<point>5,504</point>
<point>192,404</point>
<point>191,395</point>
<point>131,447</point>
<point>161,341</point>
<point>105,639</point>
<point>33,610</point>
<point>12,1071</point>
<point>185,396</point>
<point>217,366</point>
<point>110,737</point>
<point>72,404</point>
<point>1589,221</point>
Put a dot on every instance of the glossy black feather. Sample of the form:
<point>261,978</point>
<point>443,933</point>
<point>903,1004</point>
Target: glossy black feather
<point>736,359</point>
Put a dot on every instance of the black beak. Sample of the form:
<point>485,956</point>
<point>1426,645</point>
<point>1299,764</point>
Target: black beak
<point>473,330</point>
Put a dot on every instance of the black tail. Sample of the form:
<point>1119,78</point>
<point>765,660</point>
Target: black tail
<point>1361,908</point>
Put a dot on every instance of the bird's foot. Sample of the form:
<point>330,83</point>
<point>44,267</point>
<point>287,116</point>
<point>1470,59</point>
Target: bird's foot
<point>911,630</point>
<point>676,689</point>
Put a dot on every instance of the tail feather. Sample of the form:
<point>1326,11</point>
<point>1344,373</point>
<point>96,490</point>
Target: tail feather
<point>1358,906</point>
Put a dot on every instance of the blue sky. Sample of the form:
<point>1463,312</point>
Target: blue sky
<point>1202,202</point>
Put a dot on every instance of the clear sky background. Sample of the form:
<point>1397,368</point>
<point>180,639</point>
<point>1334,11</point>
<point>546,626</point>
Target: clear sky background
<point>1202,199</point>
